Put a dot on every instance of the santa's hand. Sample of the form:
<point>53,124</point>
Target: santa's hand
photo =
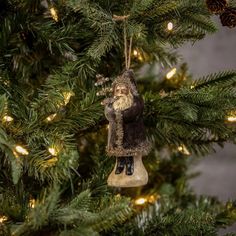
<point>107,101</point>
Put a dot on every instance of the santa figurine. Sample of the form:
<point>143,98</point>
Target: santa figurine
<point>126,134</point>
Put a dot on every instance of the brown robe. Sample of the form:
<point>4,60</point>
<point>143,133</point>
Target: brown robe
<point>126,134</point>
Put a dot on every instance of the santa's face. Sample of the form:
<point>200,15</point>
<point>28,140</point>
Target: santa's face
<point>123,97</point>
<point>121,90</point>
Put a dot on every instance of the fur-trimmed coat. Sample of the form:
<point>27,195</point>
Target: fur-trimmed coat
<point>126,133</point>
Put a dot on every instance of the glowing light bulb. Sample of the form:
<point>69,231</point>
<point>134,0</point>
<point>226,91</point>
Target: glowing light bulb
<point>192,86</point>
<point>231,118</point>
<point>21,150</point>
<point>170,26</point>
<point>51,117</point>
<point>67,96</point>
<point>135,52</point>
<point>171,73</point>
<point>183,150</point>
<point>54,14</point>
<point>53,151</point>
<point>32,203</point>
<point>140,201</point>
<point>7,118</point>
<point>152,199</point>
<point>3,219</point>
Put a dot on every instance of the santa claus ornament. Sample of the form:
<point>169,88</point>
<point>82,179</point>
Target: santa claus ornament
<point>127,139</point>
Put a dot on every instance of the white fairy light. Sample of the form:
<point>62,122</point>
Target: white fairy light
<point>54,14</point>
<point>140,201</point>
<point>51,117</point>
<point>183,150</point>
<point>19,149</point>
<point>135,52</point>
<point>53,151</point>
<point>170,26</point>
<point>231,118</point>
<point>67,96</point>
<point>171,73</point>
<point>32,203</point>
<point>3,219</point>
<point>7,118</point>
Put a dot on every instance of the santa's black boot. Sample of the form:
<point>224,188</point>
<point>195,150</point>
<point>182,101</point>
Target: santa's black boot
<point>120,165</point>
<point>129,165</point>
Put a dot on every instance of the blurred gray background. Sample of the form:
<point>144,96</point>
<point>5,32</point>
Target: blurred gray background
<point>215,53</point>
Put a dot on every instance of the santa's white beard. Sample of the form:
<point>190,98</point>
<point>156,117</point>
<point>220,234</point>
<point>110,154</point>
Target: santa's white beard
<point>123,102</point>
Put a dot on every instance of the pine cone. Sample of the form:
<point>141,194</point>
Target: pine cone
<point>228,17</point>
<point>216,6</point>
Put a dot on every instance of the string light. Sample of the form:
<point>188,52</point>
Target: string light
<point>152,199</point>
<point>192,86</point>
<point>3,219</point>
<point>53,151</point>
<point>7,118</point>
<point>140,201</point>
<point>51,117</point>
<point>171,73</point>
<point>170,26</point>
<point>67,96</point>
<point>231,118</point>
<point>135,52</point>
<point>183,150</point>
<point>21,150</point>
<point>32,203</point>
<point>54,14</point>
<point>148,199</point>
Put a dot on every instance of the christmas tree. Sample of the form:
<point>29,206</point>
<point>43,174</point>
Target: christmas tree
<point>53,134</point>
